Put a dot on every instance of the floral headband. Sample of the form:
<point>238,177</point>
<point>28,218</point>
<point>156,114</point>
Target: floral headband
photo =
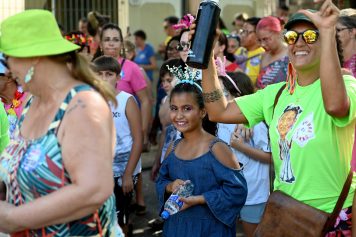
<point>185,22</point>
<point>186,75</point>
<point>77,38</point>
<point>220,66</point>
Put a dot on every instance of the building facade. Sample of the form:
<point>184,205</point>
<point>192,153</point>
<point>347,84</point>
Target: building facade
<point>149,14</point>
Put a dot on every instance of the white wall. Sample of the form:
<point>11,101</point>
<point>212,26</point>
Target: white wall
<point>10,7</point>
<point>148,15</point>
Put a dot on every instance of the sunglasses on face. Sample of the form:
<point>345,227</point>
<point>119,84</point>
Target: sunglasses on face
<point>170,48</point>
<point>246,32</point>
<point>232,36</point>
<point>183,45</point>
<point>309,36</point>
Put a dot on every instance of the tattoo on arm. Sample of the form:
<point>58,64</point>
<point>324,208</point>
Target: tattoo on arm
<point>212,96</point>
<point>78,104</point>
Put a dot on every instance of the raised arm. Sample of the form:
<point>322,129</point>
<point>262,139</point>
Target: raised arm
<point>336,101</point>
<point>218,108</point>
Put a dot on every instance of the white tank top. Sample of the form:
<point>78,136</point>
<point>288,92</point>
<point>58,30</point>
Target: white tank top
<point>123,134</point>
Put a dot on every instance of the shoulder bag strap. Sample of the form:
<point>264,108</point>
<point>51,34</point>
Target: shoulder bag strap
<point>339,204</point>
<point>269,141</point>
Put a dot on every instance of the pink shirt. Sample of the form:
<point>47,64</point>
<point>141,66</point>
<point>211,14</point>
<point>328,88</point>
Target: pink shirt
<point>132,79</point>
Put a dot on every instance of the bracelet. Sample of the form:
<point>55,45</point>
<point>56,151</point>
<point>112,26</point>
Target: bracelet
<point>212,96</point>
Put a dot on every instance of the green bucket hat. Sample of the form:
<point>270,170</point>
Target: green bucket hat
<point>33,33</point>
<point>298,17</point>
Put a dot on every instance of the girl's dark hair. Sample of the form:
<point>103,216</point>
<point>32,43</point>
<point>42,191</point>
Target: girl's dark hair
<point>106,63</point>
<point>242,81</point>
<point>223,41</point>
<point>96,20</point>
<point>180,88</point>
<point>105,27</point>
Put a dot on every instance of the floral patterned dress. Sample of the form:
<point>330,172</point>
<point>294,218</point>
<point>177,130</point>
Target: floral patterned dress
<point>34,168</point>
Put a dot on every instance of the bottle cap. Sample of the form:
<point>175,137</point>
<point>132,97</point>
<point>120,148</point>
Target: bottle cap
<point>215,1</point>
<point>165,215</point>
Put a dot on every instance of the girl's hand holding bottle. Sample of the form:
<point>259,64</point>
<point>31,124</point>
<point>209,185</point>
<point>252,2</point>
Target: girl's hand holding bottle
<point>171,187</point>
<point>192,201</point>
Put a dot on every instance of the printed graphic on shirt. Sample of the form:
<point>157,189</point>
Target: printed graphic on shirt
<point>305,131</point>
<point>33,157</point>
<point>284,126</point>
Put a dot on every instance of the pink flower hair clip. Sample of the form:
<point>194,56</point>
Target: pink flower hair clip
<point>185,22</point>
<point>220,67</point>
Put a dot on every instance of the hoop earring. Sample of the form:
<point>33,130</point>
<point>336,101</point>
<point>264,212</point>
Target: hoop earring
<point>29,74</point>
<point>291,78</point>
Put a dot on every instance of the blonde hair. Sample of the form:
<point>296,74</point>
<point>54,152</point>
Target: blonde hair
<point>129,46</point>
<point>82,72</point>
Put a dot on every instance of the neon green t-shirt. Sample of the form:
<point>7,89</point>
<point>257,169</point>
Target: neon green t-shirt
<point>311,150</point>
<point>4,128</point>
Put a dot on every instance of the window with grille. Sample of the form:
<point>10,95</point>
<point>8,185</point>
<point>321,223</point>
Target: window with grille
<point>68,12</point>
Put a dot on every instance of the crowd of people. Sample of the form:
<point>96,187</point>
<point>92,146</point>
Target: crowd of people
<point>274,110</point>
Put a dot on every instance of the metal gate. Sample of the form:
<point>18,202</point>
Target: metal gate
<point>68,12</point>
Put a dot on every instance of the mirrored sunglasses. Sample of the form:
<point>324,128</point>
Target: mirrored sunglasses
<point>183,45</point>
<point>309,36</point>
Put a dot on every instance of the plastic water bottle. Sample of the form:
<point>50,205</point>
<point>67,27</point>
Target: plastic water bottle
<point>173,204</point>
<point>203,39</point>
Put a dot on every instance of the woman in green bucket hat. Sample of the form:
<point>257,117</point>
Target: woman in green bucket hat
<point>56,171</point>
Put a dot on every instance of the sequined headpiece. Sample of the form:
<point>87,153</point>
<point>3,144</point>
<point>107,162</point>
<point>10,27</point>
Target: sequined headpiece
<point>185,75</point>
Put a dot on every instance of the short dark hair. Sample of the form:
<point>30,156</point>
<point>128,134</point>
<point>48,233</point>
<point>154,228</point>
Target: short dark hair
<point>242,81</point>
<point>141,34</point>
<point>284,7</point>
<point>241,17</point>
<point>172,20</point>
<point>106,63</point>
<point>253,21</point>
<point>83,19</point>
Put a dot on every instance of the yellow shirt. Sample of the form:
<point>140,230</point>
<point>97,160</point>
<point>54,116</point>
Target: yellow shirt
<point>168,38</point>
<point>250,62</point>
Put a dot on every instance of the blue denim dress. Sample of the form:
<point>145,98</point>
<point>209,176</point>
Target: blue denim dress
<point>223,188</point>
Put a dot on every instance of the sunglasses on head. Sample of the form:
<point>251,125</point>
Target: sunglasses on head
<point>309,36</point>
<point>183,45</point>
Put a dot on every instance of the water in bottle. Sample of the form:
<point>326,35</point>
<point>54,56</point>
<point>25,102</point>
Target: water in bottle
<point>173,204</point>
<point>203,39</point>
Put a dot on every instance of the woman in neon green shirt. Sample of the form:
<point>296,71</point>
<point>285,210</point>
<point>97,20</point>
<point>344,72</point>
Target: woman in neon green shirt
<point>311,127</point>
